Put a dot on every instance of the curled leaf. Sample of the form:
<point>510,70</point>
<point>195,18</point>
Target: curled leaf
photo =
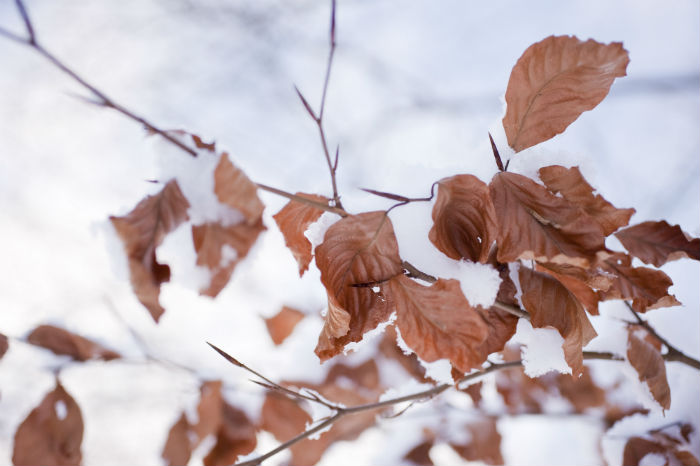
<point>464,222</point>
<point>142,230</point>
<point>63,342</point>
<point>649,364</point>
<point>553,82</point>
<point>658,242</point>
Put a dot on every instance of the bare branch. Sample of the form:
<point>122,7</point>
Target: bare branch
<point>27,23</point>
<point>303,200</point>
<point>496,155</point>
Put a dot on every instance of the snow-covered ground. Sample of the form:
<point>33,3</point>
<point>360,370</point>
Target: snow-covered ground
<point>414,90</point>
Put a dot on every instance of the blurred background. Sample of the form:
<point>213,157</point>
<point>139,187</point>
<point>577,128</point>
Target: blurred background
<point>415,87</point>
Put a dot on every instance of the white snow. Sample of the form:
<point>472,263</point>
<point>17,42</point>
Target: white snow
<point>542,349</point>
<point>61,409</point>
<point>317,230</point>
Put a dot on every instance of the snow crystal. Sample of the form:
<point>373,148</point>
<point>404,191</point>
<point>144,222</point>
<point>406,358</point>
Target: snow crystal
<point>542,351</point>
<point>61,409</point>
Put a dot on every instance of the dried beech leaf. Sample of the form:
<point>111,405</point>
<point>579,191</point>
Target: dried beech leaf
<point>582,392</point>
<point>142,230</point>
<point>588,297</point>
<point>474,392</point>
<point>365,375</point>
<point>63,342</point>
<point>178,449</point>
<point>658,242</point>
<point>464,222</point>
<point>357,249</point>
<point>550,304</point>
<point>52,433</point>
<point>438,322</point>
<point>4,345</point>
<point>220,248</point>
<point>234,189</point>
<point>647,288</point>
<point>209,411</point>
<point>236,437</point>
<point>283,417</point>
<point>649,364</point>
<point>390,349</point>
<point>420,454</point>
<point>637,448</point>
<point>500,325</point>
<point>574,188</point>
<point>553,82</point>
<point>293,220</point>
<point>484,445</point>
<point>282,324</point>
<point>535,224</point>
<point>674,448</point>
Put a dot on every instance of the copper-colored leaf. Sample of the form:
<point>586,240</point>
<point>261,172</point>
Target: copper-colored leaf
<point>281,325</point>
<point>142,230</point>
<point>178,448</point>
<point>209,411</point>
<point>63,342</point>
<point>438,322</point>
<point>574,188</point>
<point>484,445</point>
<point>582,392</point>
<point>234,189</point>
<point>658,242</point>
<point>390,349</point>
<point>358,249</point>
<point>293,220</point>
<point>464,222</point>
<point>474,392</point>
<point>283,417</point>
<point>550,304</point>
<point>553,82</point>
<point>647,288</point>
<point>236,437</point>
<point>365,375</point>
<point>587,296</point>
<point>4,345</point>
<point>535,224</point>
<point>220,248</point>
<point>420,454</point>
<point>649,364</point>
<point>52,433</point>
<point>637,448</point>
<point>673,451</point>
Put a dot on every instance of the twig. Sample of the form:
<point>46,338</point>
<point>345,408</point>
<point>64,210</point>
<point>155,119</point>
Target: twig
<point>496,155</point>
<point>319,205</point>
<point>673,354</point>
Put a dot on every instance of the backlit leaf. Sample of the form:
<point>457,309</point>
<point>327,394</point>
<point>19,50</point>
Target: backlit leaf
<point>649,364</point>
<point>281,325</point>
<point>658,242</point>
<point>234,189</point>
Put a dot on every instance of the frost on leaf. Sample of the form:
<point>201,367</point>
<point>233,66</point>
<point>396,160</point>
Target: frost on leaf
<point>358,249</point>
<point>234,189</point>
<point>535,224</point>
<point>142,230</point>
<point>484,444</point>
<point>293,220</point>
<point>282,324</point>
<point>647,288</point>
<point>437,322</point>
<point>63,342</point>
<point>553,82</point>
<point>52,433</point>
<point>658,242</point>
<point>464,222</point>
<point>649,364</point>
<point>220,248</point>
<point>550,304</point>
<point>574,188</point>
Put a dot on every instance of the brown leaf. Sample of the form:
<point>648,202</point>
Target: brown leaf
<point>550,304</point>
<point>178,448</point>
<point>420,454</point>
<point>209,411</point>
<point>438,322</point>
<point>553,82</point>
<point>234,189</point>
<point>464,222</point>
<point>282,324</point>
<point>220,248</point>
<point>293,220</point>
<point>647,288</point>
<point>63,342</point>
<point>236,437</point>
<point>283,417</point>
<point>582,392</point>
<point>637,448</point>
<point>588,297</point>
<point>649,364</point>
<point>52,433</point>
<point>574,188</point>
<point>390,349</point>
<point>365,375</point>
<point>357,249</point>
<point>4,345</point>
<point>484,445</point>
<point>142,230</point>
<point>535,224</point>
<point>474,392</point>
<point>672,449</point>
<point>658,242</point>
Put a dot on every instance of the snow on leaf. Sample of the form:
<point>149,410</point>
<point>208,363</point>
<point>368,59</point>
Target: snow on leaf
<point>293,220</point>
<point>437,322</point>
<point>672,448</point>
<point>535,224</point>
<point>63,342</point>
<point>649,364</point>
<point>575,189</point>
<point>553,82</point>
<point>550,304</point>
<point>234,189</point>
<point>282,324</point>
<point>647,288</point>
<point>48,435</point>
<point>236,436</point>
<point>484,444</point>
<point>658,242</point>
<point>464,222</point>
<point>142,230</point>
<point>177,449</point>
<point>358,249</point>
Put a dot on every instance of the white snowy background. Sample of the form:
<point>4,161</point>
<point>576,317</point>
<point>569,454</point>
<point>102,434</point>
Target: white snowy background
<point>414,90</point>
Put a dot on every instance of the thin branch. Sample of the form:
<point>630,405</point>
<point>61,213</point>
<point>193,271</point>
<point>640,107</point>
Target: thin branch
<point>27,23</point>
<point>496,155</point>
<point>319,205</point>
